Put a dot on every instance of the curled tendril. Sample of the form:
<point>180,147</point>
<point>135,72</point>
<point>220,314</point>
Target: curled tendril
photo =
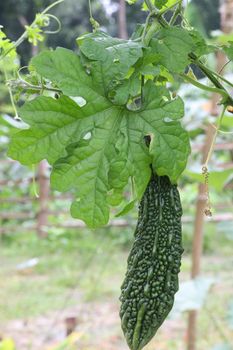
<point>206,174</point>
<point>58,25</point>
<point>34,185</point>
<point>19,74</point>
<point>224,66</point>
<point>221,131</point>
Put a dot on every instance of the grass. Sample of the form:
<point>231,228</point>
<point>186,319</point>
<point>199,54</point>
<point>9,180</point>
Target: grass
<point>86,262</point>
<point>90,266</point>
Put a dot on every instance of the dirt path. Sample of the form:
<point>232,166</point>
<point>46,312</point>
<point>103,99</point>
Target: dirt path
<point>98,327</point>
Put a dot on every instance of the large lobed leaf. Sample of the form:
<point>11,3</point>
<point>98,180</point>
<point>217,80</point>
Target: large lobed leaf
<point>95,149</point>
<point>173,45</point>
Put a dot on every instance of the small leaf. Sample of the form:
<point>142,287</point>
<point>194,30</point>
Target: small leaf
<point>126,209</point>
<point>160,3</point>
<point>217,179</point>
<point>126,89</point>
<point>229,50</point>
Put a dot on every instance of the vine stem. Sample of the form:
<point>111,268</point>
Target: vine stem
<point>224,66</point>
<point>179,2</point>
<point>142,86</point>
<point>27,86</point>
<point>219,122</point>
<point>24,35</point>
<point>221,77</point>
<point>34,185</point>
<point>150,33</point>
<point>150,5</point>
<point>210,72</point>
<point>201,86</point>
<point>176,13</point>
<point>90,9</point>
<point>158,15</point>
<point>11,95</point>
<point>147,24</point>
<point>58,23</point>
<point>51,6</point>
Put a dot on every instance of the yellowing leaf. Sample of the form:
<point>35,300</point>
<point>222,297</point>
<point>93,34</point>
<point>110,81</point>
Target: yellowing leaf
<point>7,344</point>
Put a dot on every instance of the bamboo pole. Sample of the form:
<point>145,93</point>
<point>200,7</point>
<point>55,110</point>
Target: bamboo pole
<point>197,247</point>
<point>42,217</point>
<point>226,12</point>
<point>122,21</point>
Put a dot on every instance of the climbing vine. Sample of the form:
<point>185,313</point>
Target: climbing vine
<point>109,96</point>
<point>91,111</point>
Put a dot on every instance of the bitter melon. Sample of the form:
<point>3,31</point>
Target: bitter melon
<point>151,281</point>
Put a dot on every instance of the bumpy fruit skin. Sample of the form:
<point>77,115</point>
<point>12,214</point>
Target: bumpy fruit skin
<point>151,279</point>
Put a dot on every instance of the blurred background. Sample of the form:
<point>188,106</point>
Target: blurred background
<point>59,281</point>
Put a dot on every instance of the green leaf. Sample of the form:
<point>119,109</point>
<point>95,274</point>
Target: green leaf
<point>54,125</point>
<point>160,3</point>
<point>137,32</point>
<point>227,122</point>
<point>169,2</point>
<point>150,70</point>
<point>96,148</point>
<point>200,46</point>
<point>131,2</point>
<point>126,209</point>
<point>165,131</point>
<point>64,68</point>
<point>217,179</point>
<point>126,89</point>
<point>115,197</point>
<point>229,50</point>
<point>110,57</point>
<point>173,45</point>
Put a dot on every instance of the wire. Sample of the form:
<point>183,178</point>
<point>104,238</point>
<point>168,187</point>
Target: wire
<point>215,136</point>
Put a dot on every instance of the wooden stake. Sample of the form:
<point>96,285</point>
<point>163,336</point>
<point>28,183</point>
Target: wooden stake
<point>122,22</point>
<point>42,217</point>
<point>226,12</point>
<point>198,241</point>
<point>71,323</point>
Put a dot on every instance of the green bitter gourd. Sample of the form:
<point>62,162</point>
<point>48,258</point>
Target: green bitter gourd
<point>151,279</point>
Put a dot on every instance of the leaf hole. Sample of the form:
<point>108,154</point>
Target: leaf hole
<point>134,105</point>
<point>165,98</point>
<point>167,120</point>
<point>147,140</point>
<point>81,102</point>
<point>87,136</point>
